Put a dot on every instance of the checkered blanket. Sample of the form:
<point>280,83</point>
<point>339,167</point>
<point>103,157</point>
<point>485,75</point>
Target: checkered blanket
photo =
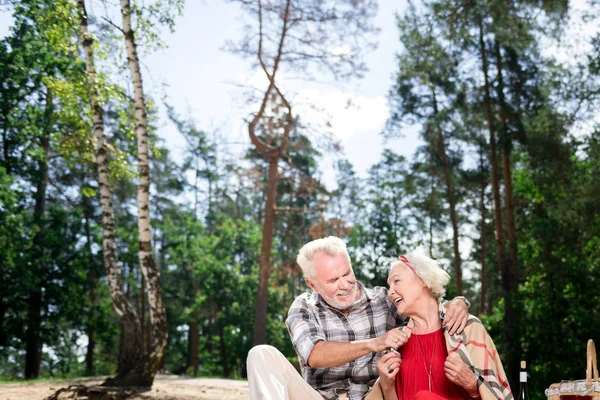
<point>476,348</point>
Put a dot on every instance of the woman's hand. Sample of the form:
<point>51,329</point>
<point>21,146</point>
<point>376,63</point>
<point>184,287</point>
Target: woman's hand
<point>388,367</point>
<point>459,373</point>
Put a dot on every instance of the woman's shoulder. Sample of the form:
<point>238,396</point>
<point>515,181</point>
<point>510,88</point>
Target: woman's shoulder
<point>474,326</point>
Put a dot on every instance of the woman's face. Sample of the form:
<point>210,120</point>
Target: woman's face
<point>405,288</point>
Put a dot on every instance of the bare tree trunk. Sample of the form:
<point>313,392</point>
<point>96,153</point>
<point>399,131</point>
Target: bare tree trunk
<point>194,332</point>
<point>272,155</point>
<point>451,200</point>
<point>33,340</point>
<point>511,278</point>
<point>223,349</point>
<point>91,279</point>
<point>142,306</point>
<point>158,315</point>
<point>431,219</point>
<point>262,294</point>
<point>499,231</point>
<point>511,230</point>
<point>131,351</point>
<point>3,331</point>
<point>483,235</point>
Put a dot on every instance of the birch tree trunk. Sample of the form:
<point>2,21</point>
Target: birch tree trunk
<point>130,325</point>
<point>158,315</point>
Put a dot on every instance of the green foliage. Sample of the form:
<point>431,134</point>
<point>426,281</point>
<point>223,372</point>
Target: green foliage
<point>207,209</point>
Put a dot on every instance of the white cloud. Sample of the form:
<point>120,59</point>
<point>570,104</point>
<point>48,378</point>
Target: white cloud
<point>347,114</point>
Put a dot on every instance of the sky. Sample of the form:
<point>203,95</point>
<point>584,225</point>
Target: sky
<point>202,81</point>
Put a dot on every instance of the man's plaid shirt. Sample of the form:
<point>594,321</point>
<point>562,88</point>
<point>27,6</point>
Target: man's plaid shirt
<point>311,320</point>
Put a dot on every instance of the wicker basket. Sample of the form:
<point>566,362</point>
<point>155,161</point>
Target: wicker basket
<point>584,389</point>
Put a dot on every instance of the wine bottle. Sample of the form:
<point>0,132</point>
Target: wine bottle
<point>523,392</point>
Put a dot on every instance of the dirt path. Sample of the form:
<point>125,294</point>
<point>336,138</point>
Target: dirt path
<point>166,387</point>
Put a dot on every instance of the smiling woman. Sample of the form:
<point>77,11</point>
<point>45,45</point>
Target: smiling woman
<point>431,363</point>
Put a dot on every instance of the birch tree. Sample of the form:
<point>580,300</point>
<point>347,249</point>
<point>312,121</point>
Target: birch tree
<point>145,371</point>
<point>131,324</point>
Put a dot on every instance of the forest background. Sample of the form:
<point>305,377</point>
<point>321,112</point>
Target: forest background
<point>482,151</point>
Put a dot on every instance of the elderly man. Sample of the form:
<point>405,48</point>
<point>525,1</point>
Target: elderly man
<point>338,332</point>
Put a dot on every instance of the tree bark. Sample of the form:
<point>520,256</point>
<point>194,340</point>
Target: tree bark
<point>131,351</point>
<point>194,332</point>
<point>441,145</point>
<point>511,231</point>
<point>262,294</point>
<point>511,278</point>
<point>272,155</point>
<point>33,340</point>
<point>158,315</point>
<point>483,235</point>
<point>91,279</point>
<point>223,349</point>
<point>499,230</point>
<point>3,330</point>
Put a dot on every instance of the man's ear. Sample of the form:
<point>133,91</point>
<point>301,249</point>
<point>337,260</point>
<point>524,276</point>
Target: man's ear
<point>311,284</point>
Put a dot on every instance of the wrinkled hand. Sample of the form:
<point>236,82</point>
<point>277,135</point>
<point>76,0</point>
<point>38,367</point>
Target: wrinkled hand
<point>459,373</point>
<point>388,367</point>
<point>457,313</point>
<point>394,339</point>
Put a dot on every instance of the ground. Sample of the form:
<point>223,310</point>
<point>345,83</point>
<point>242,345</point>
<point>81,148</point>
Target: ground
<point>166,387</point>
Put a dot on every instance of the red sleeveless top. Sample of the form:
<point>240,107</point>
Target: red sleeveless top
<point>412,377</point>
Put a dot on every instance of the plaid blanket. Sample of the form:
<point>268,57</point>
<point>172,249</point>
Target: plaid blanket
<point>476,349</point>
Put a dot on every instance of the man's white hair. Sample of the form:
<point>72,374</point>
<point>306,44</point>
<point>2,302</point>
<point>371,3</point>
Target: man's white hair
<point>332,246</point>
<point>430,272</point>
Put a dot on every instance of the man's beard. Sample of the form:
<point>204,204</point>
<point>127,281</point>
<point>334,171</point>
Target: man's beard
<point>342,304</point>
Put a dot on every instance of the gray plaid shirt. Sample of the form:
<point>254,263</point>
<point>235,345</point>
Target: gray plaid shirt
<point>311,320</point>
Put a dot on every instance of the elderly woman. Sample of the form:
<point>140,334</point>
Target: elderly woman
<point>430,364</point>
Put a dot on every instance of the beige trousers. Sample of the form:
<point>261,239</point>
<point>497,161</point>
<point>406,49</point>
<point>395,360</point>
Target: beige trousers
<point>272,377</point>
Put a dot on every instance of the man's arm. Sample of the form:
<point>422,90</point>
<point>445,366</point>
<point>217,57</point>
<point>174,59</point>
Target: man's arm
<point>334,354</point>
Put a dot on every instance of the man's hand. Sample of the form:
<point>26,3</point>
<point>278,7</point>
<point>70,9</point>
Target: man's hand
<point>457,313</point>
<point>459,373</point>
<point>394,339</point>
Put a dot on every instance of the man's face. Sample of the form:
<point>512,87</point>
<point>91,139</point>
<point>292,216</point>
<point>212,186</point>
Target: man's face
<point>334,280</point>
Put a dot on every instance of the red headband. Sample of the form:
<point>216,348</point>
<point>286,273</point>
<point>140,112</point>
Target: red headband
<point>405,261</point>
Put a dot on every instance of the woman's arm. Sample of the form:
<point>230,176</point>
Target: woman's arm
<point>388,367</point>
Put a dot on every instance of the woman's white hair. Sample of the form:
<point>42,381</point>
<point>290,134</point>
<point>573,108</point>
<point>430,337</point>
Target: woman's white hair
<point>430,272</point>
<point>331,246</point>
